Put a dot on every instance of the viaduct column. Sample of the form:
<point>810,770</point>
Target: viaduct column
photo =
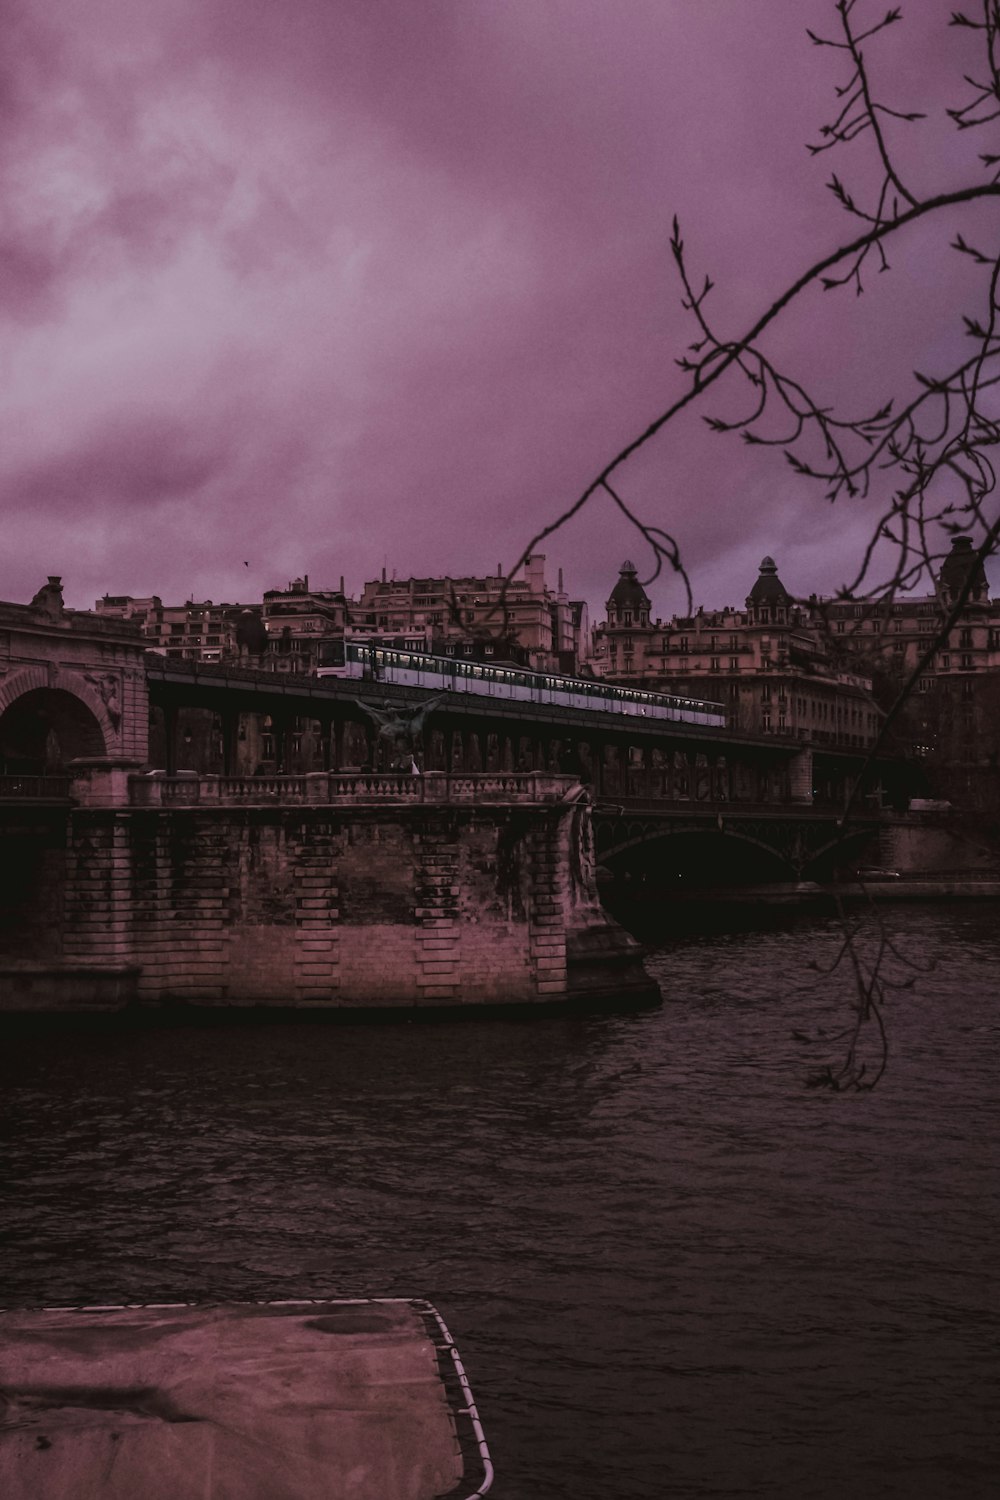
<point>800,777</point>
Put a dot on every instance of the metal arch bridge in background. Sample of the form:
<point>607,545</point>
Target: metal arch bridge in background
<point>797,837</point>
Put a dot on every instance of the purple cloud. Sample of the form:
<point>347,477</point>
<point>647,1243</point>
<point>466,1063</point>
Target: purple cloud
<point>359,283</point>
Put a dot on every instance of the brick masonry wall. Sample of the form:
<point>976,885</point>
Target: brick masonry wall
<point>310,906</point>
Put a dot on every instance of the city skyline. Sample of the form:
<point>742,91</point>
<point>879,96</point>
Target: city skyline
<point>281,288</point>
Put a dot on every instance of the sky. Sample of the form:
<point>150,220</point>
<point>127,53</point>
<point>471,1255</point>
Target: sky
<point>325,286</point>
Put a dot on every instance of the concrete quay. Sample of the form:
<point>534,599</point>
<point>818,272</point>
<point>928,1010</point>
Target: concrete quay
<point>326,1400</point>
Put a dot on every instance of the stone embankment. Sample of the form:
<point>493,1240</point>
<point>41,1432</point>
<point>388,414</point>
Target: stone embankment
<point>322,892</point>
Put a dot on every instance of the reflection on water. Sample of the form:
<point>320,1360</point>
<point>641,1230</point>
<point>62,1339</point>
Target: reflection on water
<point>671,1269</point>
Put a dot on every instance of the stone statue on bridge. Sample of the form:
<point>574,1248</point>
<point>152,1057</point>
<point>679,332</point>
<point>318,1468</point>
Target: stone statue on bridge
<point>399,730</point>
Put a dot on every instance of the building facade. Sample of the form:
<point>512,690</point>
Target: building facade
<point>953,713</point>
<point>194,631</point>
<point>484,616</point>
<point>765,663</point>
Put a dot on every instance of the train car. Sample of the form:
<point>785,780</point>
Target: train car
<point>405,668</point>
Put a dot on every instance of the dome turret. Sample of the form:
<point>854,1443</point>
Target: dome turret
<point>628,592</point>
<point>768,589</point>
<point>957,567</point>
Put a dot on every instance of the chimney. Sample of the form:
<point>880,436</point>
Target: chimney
<point>383,573</point>
<point>341,583</point>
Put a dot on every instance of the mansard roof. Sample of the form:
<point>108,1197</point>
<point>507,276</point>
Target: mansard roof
<point>628,592</point>
<point>768,588</point>
<point>958,565</point>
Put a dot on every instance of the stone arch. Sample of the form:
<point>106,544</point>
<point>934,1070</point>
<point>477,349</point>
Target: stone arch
<point>38,702</point>
<point>649,838</point>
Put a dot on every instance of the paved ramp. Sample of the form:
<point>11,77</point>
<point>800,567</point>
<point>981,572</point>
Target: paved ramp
<point>340,1400</point>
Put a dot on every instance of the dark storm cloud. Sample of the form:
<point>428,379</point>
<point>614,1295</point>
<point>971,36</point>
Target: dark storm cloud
<point>392,281</point>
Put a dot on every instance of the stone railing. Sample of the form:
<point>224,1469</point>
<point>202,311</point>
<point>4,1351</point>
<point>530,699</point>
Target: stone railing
<point>35,788</point>
<point>355,788</point>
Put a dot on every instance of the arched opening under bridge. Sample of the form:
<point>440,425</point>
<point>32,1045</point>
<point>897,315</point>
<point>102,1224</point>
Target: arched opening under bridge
<point>696,860</point>
<point>44,729</point>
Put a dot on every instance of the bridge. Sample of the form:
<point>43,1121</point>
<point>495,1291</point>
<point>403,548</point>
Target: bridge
<point>78,688</point>
<point>201,835</point>
<point>727,843</point>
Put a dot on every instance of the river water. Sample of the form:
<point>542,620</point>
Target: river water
<point>672,1269</point>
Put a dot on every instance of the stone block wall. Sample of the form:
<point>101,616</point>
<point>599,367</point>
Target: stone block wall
<point>314,906</point>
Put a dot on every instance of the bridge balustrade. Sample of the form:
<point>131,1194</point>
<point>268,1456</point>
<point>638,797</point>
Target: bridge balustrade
<point>351,788</point>
<point>35,788</point>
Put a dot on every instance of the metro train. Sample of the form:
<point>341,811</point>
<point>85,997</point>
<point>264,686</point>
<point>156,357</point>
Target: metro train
<point>453,675</point>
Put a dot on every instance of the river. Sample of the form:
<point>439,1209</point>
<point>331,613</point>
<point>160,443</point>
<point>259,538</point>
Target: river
<point>673,1270</point>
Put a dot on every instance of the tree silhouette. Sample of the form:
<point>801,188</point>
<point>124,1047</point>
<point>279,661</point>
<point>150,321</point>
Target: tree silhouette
<point>923,456</point>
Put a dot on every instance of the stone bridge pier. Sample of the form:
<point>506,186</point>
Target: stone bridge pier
<point>327,891</point>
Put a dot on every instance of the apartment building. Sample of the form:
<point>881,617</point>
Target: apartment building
<point>193,631</point>
<point>957,688</point>
<point>765,663</point>
<point>479,617</point>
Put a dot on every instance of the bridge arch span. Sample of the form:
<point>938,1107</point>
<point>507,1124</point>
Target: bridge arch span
<point>50,716</point>
<point>701,849</point>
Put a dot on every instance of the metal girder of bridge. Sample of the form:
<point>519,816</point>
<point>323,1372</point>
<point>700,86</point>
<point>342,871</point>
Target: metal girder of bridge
<point>208,686</point>
<point>799,837</point>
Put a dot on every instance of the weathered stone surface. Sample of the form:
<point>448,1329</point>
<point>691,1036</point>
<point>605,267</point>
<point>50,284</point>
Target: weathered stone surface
<point>292,1402</point>
<point>345,906</point>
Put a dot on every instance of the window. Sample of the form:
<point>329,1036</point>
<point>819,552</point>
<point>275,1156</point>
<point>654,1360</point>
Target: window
<point>627,617</point>
<point>765,722</point>
<point>734,664</point>
<point>966,661</point>
<point>840,627</point>
<point>765,693</point>
<point>683,644</point>
<point>713,665</point>
<point>965,638</point>
<point>945,663</point>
